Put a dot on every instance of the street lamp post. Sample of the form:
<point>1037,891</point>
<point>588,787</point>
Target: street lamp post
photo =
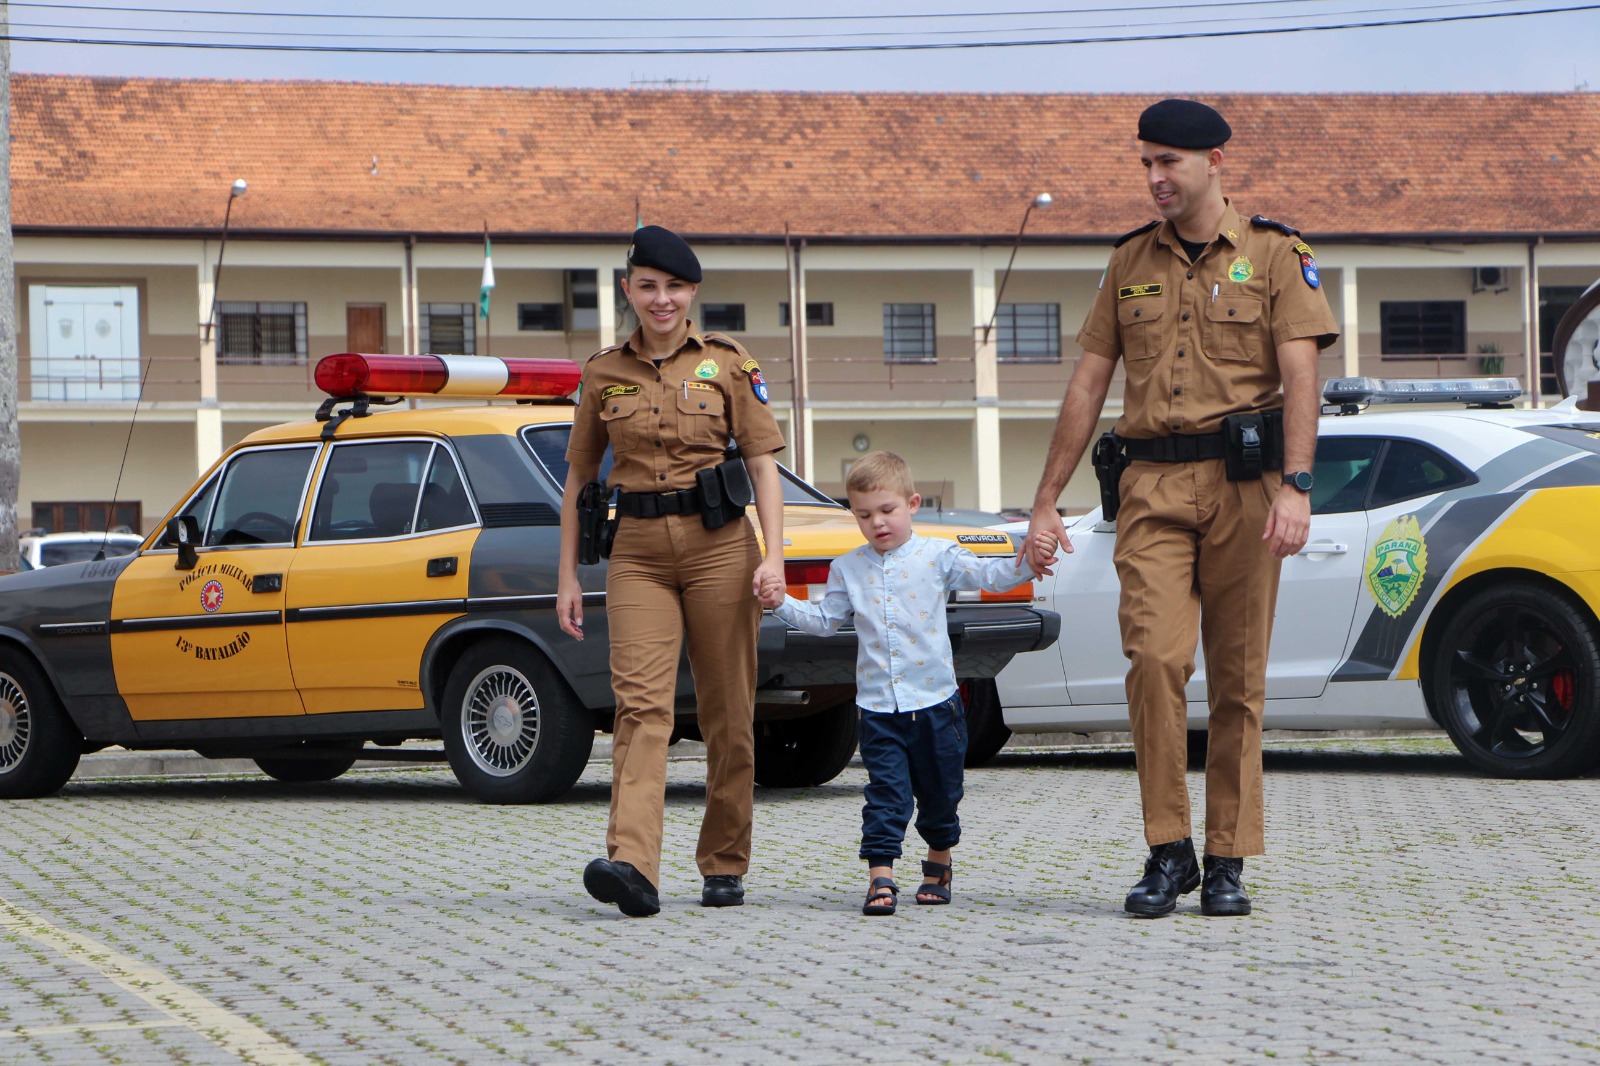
<point>986,376</point>
<point>208,415</point>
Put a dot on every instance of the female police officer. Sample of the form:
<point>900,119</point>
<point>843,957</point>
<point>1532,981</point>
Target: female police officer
<point>669,401</point>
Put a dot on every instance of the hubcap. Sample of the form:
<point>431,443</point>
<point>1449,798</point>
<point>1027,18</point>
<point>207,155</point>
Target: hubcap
<point>500,720</point>
<point>1513,683</point>
<point>15,723</point>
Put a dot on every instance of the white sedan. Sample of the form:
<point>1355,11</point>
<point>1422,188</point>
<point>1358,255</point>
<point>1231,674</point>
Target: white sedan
<point>1451,578</point>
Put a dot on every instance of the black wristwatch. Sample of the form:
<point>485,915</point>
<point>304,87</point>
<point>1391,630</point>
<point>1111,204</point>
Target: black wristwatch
<point>1300,479</point>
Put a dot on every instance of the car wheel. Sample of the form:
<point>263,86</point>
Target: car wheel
<point>800,752</point>
<point>1516,682</point>
<point>512,731</point>
<point>39,745</point>
<point>323,760</point>
<point>986,723</point>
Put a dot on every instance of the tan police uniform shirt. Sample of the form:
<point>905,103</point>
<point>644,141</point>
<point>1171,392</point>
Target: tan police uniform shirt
<point>1199,340</point>
<point>665,423</point>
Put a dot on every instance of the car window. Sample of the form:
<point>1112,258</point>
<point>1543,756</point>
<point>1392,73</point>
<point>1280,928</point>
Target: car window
<point>445,504</point>
<point>549,446</point>
<point>1342,473</point>
<point>82,551</point>
<point>369,489</point>
<point>258,500</point>
<point>1408,469</point>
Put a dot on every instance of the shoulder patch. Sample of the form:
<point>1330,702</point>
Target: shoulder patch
<point>1130,235</point>
<point>1267,223</point>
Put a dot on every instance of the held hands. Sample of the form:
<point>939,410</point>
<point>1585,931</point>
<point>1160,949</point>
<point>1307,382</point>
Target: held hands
<point>768,583</point>
<point>1046,534</point>
<point>1288,522</point>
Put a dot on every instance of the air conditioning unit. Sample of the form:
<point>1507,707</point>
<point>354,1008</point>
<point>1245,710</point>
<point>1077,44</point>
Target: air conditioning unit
<point>1490,279</point>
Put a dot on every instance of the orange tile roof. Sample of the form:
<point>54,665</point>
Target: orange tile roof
<point>347,158</point>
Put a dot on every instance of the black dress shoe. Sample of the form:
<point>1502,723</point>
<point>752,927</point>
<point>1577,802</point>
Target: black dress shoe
<point>1169,872</point>
<point>1222,894</point>
<point>620,883</point>
<point>722,890</point>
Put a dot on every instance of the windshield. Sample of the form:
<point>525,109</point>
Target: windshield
<point>548,442</point>
<point>81,551</point>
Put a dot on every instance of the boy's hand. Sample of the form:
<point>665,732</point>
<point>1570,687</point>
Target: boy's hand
<point>1046,534</point>
<point>1045,543</point>
<point>769,588</point>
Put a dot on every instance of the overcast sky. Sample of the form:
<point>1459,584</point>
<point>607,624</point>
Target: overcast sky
<point>1539,52</point>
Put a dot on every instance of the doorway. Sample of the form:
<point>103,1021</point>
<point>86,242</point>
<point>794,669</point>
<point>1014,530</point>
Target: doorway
<point>365,331</point>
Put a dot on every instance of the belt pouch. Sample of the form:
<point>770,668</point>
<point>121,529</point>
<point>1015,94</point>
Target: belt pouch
<point>711,503</point>
<point>1247,449</point>
<point>737,492</point>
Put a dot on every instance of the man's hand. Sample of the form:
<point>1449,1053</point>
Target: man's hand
<point>768,583</point>
<point>1288,522</point>
<point>569,608</point>
<point>1045,534</point>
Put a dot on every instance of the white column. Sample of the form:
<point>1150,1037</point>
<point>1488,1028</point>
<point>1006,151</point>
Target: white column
<point>606,303</point>
<point>208,412</point>
<point>1530,320</point>
<point>985,389</point>
<point>1351,326</point>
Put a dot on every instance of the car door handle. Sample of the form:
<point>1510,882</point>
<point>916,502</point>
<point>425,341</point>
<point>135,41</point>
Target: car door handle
<point>267,583</point>
<point>1324,547</point>
<point>444,567</point>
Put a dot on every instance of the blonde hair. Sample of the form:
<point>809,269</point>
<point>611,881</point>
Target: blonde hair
<point>880,470</point>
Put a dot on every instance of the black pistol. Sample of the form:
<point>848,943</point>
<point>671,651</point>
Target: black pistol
<point>1109,462</point>
<point>593,511</point>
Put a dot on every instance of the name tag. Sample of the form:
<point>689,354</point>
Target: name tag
<point>1129,291</point>
<point>619,390</point>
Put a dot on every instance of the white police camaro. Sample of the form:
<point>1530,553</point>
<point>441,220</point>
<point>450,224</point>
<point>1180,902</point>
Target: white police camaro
<point>1451,578</point>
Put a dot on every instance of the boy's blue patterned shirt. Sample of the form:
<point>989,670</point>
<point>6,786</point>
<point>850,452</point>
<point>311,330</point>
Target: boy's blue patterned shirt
<point>897,599</point>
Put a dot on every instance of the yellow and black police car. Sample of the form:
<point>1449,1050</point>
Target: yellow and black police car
<point>1451,579</point>
<point>382,576</point>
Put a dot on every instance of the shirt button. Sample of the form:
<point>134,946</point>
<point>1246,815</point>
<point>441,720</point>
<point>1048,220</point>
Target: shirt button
<point>1176,427</point>
<point>1186,316</point>
<point>1191,275</point>
<point>658,444</point>
<point>702,407</point>
<point>613,410</point>
<point>1176,392</point>
<point>655,410</point>
<point>661,477</point>
<point>658,377</point>
<point>1233,310</point>
<point>1137,313</point>
<point>1180,353</point>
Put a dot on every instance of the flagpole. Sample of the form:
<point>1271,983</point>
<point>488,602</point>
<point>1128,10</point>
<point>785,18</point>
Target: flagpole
<point>485,289</point>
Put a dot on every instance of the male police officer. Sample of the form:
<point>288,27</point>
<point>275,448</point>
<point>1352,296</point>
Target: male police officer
<point>1212,314</point>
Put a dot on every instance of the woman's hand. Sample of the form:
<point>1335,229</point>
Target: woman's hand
<point>768,583</point>
<point>569,607</point>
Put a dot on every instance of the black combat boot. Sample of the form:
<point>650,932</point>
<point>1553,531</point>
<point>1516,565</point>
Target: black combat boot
<point>1169,872</point>
<point>1223,893</point>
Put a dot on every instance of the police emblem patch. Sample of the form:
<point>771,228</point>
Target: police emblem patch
<point>707,369</point>
<point>1241,269</point>
<point>211,597</point>
<point>757,384</point>
<point>1308,265</point>
<point>1396,565</point>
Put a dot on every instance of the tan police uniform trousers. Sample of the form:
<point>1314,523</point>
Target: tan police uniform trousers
<point>669,576</point>
<point>1190,556</point>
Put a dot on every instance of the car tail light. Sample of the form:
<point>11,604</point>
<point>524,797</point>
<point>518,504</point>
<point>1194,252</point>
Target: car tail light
<point>807,579</point>
<point>350,374</point>
<point>1023,593</point>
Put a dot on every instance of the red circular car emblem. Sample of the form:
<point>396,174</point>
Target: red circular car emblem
<point>211,596</point>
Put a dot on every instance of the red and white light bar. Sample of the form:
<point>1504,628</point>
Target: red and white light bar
<point>348,375</point>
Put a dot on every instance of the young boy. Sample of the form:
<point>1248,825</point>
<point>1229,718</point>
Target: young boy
<point>912,724</point>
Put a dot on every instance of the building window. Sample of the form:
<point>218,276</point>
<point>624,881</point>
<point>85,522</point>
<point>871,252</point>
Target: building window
<point>547,317</point>
<point>583,296</point>
<point>820,314</point>
<point>1029,333</point>
<point>728,318</point>
<point>1424,327</point>
<point>449,329</point>
<point>88,517</point>
<point>261,333</point>
<point>908,333</point>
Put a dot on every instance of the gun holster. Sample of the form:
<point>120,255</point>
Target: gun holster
<point>1253,444</point>
<point>597,529</point>
<point>1109,460</point>
<point>725,491</point>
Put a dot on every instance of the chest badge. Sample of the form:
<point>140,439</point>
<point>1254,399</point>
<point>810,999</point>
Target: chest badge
<point>1241,269</point>
<point>707,369</point>
<point>1308,265</point>
<point>1396,565</point>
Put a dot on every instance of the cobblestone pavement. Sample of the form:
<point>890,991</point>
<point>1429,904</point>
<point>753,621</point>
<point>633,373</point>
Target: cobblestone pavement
<point>1409,911</point>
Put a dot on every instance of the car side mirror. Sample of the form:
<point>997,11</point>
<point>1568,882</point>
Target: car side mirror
<point>184,532</point>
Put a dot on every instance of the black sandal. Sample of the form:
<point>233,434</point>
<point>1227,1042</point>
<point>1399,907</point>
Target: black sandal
<point>940,889</point>
<point>882,888</point>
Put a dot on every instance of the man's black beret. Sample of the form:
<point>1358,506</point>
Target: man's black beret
<point>664,250</point>
<point>1183,124</point>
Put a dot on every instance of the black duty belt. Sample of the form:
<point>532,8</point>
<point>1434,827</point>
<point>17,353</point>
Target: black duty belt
<point>1178,448</point>
<point>657,504</point>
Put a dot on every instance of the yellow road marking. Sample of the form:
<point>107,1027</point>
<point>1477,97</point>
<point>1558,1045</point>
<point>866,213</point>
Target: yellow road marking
<point>226,1030</point>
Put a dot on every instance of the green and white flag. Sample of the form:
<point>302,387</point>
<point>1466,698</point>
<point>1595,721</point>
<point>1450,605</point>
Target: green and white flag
<point>488,279</point>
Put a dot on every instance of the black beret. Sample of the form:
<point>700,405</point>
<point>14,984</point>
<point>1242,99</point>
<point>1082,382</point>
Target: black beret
<point>664,250</point>
<point>1183,124</point>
